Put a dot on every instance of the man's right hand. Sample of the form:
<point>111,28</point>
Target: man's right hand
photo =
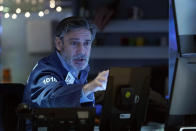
<point>98,84</point>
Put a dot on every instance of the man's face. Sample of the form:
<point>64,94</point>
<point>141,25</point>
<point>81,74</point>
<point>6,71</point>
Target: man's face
<point>75,48</point>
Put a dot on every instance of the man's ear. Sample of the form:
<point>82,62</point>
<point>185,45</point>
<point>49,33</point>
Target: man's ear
<point>58,44</point>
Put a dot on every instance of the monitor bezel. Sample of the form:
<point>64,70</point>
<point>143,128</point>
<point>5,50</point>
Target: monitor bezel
<point>176,27</point>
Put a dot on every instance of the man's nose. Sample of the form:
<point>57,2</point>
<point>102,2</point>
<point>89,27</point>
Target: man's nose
<point>80,49</point>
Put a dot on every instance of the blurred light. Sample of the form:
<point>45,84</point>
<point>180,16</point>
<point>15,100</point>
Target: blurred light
<point>1,8</point>
<point>18,1</point>
<point>41,1</point>
<point>52,4</point>
<point>52,1</point>
<point>59,9</point>
<point>6,9</point>
<point>41,13</point>
<point>18,10</point>
<point>27,14</point>
<point>14,16</point>
<point>1,1</point>
<point>33,2</point>
<point>46,11</point>
<point>7,15</point>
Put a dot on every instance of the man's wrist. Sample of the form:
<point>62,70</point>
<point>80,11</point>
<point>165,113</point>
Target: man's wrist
<point>86,89</point>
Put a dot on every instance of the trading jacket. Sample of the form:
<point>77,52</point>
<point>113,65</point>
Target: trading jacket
<point>51,85</point>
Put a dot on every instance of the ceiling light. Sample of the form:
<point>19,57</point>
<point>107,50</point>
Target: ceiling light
<point>18,10</point>
<point>1,8</point>
<point>14,16</point>
<point>46,11</point>
<point>27,14</point>
<point>41,13</point>
<point>7,15</point>
<point>59,9</point>
<point>52,3</point>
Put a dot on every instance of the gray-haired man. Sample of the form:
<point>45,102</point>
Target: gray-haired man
<point>60,80</point>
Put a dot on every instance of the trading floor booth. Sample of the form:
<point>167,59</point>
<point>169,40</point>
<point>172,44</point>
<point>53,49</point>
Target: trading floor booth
<point>124,106</point>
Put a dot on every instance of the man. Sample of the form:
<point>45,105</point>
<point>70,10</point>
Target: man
<point>60,80</point>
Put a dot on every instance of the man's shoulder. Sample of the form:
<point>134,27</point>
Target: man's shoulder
<point>44,63</point>
<point>48,64</point>
<point>48,60</point>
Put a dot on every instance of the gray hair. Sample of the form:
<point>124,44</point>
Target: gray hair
<point>74,22</point>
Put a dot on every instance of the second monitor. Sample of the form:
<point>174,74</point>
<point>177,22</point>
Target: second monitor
<point>126,98</point>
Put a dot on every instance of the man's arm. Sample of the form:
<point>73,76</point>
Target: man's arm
<point>51,91</point>
<point>48,90</point>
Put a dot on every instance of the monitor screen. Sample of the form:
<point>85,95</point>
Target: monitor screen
<point>182,109</point>
<point>185,19</point>
<point>183,94</point>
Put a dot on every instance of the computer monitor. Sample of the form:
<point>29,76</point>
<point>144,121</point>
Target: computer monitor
<point>126,98</point>
<point>185,19</point>
<point>182,66</point>
<point>182,109</point>
<point>173,50</point>
<point>10,96</point>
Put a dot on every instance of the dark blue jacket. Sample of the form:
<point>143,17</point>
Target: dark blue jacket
<point>46,86</point>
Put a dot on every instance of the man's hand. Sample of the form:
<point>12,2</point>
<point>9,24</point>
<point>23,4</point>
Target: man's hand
<point>98,84</point>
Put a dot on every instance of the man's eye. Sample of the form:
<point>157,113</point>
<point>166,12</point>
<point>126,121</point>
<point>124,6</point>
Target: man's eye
<point>87,43</point>
<point>74,43</point>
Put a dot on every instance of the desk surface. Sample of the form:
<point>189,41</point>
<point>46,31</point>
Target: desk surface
<point>153,126</point>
